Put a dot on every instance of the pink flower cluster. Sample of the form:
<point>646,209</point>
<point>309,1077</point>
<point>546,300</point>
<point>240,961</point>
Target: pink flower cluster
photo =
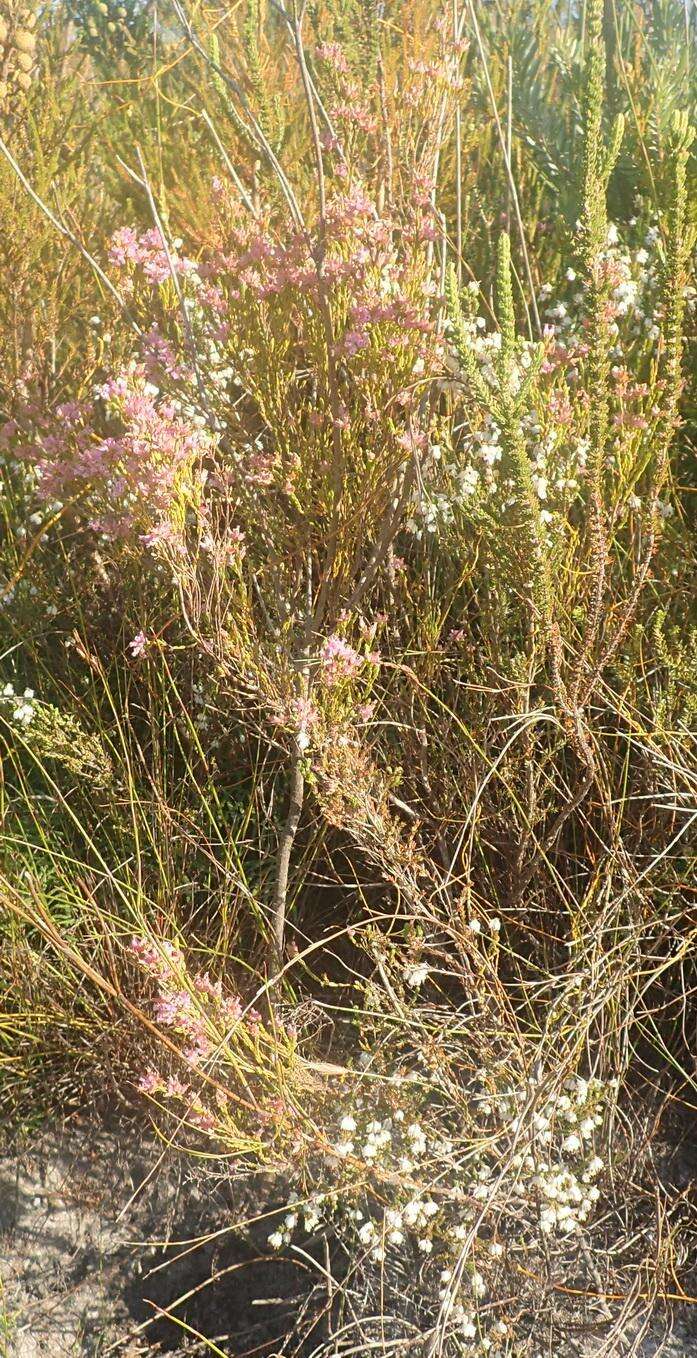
<point>146,251</point>
<point>133,457</point>
<point>201,1013</point>
<point>300,715</point>
<point>138,645</point>
<point>559,354</point>
<point>226,549</point>
<point>339,661</point>
<point>398,317</point>
<point>349,107</point>
<point>263,268</point>
<point>160,359</point>
<point>368,255</point>
<point>197,1009</point>
<point>333,53</point>
<point>131,476</point>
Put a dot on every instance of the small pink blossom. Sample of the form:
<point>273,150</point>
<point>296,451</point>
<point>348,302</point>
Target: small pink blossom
<point>147,251</point>
<point>199,1048</point>
<point>206,986</point>
<point>334,55</point>
<point>172,953</point>
<point>164,534</point>
<point>139,645</point>
<point>339,660</point>
<point>149,1082</point>
<point>353,341</point>
<point>175,1089</point>
<point>202,1119</point>
<point>172,1007</point>
<point>145,953</point>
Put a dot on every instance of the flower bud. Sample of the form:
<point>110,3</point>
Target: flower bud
<point>24,41</point>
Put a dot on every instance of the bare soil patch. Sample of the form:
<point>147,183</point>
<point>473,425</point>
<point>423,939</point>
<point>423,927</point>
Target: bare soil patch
<point>107,1240</point>
<point>101,1234</point>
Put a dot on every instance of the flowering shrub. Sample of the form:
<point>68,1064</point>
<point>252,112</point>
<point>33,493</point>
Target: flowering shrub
<point>54,735</point>
<point>347,542</point>
<point>427,1197</point>
<point>141,474</point>
<point>474,476</point>
<point>224,1046</point>
<point>448,1173</point>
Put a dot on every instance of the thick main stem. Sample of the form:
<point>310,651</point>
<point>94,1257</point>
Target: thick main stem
<point>296,796</point>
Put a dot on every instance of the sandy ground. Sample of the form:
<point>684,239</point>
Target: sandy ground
<point>65,1249</point>
<point>83,1216</point>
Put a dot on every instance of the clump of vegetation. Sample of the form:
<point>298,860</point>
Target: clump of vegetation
<point>347,688</point>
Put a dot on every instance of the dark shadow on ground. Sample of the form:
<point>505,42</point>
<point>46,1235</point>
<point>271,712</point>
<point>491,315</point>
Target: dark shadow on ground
<point>232,1293</point>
